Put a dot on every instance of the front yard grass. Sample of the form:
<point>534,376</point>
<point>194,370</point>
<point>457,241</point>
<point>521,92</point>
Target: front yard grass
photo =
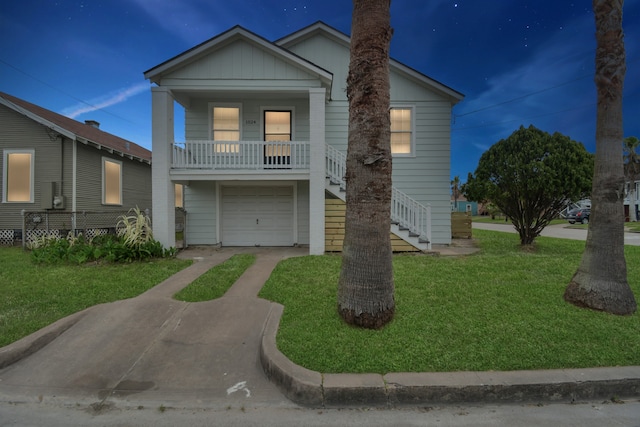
<point>501,309</point>
<point>36,295</point>
<point>215,282</point>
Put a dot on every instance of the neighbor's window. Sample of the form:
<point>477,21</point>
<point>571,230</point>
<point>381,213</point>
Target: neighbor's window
<point>111,182</point>
<point>179,202</point>
<point>402,131</point>
<point>18,176</point>
<point>226,127</point>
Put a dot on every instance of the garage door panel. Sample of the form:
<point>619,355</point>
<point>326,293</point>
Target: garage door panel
<point>257,216</point>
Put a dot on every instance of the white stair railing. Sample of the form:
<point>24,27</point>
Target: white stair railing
<point>408,213</point>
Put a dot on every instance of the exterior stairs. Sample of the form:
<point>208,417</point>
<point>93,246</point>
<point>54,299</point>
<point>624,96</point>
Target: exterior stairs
<point>410,220</point>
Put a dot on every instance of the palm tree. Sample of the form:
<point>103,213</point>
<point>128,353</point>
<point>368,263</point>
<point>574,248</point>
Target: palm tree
<point>456,189</point>
<point>365,287</point>
<point>600,282</point>
<point>631,171</point>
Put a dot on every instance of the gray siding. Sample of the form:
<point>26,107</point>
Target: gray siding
<point>19,132</point>
<point>136,181</point>
<point>424,177</point>
<point>54,163</point>
<point>200,199</point>
<point>200,202</point>
<point>329,55</point>
<point>198,122</point>
<point>303,212</point>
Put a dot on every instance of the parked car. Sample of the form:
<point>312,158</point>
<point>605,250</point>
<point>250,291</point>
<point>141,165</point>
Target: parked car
<point>579,215</point>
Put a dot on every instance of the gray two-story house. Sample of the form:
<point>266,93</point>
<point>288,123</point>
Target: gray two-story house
<point>266,127</point>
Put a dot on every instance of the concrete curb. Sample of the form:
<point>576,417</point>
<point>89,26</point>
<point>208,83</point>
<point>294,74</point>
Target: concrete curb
<point>28,345</point>
<point>313,389</point>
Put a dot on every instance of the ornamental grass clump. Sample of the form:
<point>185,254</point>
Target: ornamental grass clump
<point>135,228</point>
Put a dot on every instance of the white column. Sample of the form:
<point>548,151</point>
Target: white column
<point>317,170</point>
<point>163,197</point>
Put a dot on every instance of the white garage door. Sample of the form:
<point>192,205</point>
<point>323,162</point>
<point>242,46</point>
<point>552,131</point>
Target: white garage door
<point>257,216</point>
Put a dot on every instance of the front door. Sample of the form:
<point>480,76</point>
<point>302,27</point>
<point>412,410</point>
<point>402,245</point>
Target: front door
<point>277,136</point>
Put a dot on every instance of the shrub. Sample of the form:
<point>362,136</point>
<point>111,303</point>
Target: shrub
<point>133,242</point>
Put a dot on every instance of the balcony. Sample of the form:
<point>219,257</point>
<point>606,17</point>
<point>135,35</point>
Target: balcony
<point>241,155</point>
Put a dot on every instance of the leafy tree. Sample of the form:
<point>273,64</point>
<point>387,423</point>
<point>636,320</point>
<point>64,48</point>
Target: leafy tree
<point>530,176</point>
<point>600,283</point>
<point>365,287</point>
<point>631,160</point>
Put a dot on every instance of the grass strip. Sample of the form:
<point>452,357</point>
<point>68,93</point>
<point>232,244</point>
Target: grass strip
<point>501,309</point>
<point>215,282</point>
<point>36,295</point>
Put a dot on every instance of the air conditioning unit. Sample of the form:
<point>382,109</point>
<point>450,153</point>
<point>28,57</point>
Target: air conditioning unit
<point>58,202</point>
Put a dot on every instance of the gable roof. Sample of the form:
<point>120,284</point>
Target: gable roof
<point>320,27</point>
<point>235,33</point>
<point>74,130</point>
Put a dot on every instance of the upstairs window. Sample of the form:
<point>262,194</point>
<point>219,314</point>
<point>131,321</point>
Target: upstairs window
<point>402,138</point>
<point>226,127</point>
<point>18,176</point>
<point>111,182</point>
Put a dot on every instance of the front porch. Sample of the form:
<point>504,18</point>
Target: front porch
<point>242,155</point>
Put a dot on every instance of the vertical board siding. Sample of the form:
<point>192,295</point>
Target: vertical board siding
<point>334,229</point>
<point>241,60</point>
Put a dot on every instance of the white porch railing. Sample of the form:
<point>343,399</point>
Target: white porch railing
<point>405,211</point>
<point>217,155</point>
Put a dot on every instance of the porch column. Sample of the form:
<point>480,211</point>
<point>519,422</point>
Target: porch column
<point>162,189</point>
<point>317,170</point>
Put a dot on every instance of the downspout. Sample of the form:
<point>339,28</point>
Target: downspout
<point>74,168</point>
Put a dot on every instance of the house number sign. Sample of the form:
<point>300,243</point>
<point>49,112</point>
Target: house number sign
<point>250,122</point>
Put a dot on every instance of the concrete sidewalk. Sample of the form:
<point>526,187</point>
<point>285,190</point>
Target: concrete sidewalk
<point>154,351</point>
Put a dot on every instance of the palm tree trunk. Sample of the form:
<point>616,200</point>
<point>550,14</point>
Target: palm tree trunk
<point>365,288</point>
<point>600,282</point>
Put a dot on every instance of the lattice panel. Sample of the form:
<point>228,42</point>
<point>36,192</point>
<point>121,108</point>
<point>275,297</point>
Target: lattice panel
<point>6,237</point>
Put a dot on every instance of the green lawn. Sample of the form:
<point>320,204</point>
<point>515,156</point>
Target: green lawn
<point>632,226</point>
<point>501,309</point>
<point>501,220</point>
<point>215,282</point>
<point>34,296</point>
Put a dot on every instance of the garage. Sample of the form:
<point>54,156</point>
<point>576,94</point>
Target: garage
<point>257,216</point>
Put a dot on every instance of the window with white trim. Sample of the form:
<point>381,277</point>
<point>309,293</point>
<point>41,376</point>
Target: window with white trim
<point>111,182</point>
<point>402,135</point>
<point>226,128</point>
<point>18,176</point>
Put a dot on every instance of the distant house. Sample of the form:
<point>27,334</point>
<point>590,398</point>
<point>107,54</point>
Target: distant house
<point>463,205</point>
<point>266,127</point>
<point>51,163</point>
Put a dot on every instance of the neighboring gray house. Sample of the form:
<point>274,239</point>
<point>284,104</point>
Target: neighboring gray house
<point>51,163</point>
<point>266,139</point>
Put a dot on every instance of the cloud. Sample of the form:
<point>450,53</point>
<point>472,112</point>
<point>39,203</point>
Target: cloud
<point>105,101</point>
